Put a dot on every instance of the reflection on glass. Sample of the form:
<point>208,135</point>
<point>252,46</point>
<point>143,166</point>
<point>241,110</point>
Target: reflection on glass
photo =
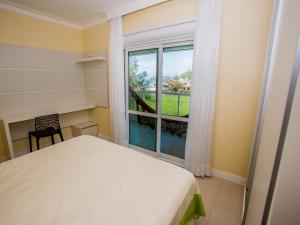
<point>142,131</point>
<point>142,76</point>
<point>173,137</point>
<point>177,73</point>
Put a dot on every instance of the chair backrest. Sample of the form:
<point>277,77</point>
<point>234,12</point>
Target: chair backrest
<point>47,122</point>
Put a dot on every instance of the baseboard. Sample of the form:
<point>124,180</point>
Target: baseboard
<point>105,137</point>
<point>230,177</point>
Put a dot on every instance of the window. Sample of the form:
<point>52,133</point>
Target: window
<point>158,94</point>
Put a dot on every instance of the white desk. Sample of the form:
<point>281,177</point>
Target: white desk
<point>15,118</point>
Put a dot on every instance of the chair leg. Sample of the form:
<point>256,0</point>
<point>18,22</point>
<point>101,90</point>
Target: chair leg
<point>52,139</point>
<point>61,136</point>
<point>30,142</point>
<point>37,142</point>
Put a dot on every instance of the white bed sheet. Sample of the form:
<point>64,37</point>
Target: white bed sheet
<point>89,181</point>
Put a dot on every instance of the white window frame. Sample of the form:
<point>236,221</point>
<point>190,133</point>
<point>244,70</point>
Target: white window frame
<point>160,46</point>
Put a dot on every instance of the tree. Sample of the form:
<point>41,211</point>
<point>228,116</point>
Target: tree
<point>132,72</point>
<point>143,83</point>
<point>176,77</point>
<point>175,85</point>
<point>139,81</point>
<point>186,75</point>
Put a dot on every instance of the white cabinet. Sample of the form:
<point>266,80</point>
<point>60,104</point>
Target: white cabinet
<point>86,128</point>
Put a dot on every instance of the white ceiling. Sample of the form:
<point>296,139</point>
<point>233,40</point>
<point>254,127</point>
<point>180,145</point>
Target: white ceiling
<point>76,11</point>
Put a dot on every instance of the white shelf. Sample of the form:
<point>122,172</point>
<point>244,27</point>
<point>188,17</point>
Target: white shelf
<point>90,59</point>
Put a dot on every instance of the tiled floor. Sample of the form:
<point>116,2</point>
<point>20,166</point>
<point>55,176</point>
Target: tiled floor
<point>223,201</point>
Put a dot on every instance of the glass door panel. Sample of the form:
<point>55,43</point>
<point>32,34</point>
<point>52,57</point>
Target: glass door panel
<point>142,131</point>
<point>142,98</point>
<point>142,80</point>
<point>173,137</point>
<point>176,78</point>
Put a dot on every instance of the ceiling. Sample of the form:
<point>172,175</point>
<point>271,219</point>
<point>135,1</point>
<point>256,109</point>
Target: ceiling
<point>76,11</point>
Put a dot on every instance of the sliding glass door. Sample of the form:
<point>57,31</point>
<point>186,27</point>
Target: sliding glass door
<point>158,81</point>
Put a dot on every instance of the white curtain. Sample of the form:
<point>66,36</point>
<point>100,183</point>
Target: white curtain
<point>116,82</point>
<point>203,90</point>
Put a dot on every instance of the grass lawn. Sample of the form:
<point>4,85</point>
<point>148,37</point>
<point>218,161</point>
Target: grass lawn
<point>169,104</point>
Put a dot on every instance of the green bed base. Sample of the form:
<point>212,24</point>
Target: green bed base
<point>194,210</point>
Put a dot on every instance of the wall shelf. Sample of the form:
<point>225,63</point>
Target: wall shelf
<point>90,59</point>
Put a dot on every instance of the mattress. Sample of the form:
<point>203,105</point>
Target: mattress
<point>90,181</point>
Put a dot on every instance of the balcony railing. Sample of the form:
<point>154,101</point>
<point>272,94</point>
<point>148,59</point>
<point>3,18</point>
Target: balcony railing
<point>179,102</point>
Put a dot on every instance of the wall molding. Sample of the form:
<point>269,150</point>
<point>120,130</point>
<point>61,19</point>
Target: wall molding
<point>229,177</point>
<point>94,22</point>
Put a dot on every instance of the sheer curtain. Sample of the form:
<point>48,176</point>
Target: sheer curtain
<point>203,90</point>
<point>116,82</point>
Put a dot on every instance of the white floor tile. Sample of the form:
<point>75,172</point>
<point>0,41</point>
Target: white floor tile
<point>223,201</point>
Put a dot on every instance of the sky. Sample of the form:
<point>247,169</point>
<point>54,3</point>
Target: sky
<point>174,62</point>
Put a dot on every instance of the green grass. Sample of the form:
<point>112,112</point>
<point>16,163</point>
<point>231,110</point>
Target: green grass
<point>169,104</point>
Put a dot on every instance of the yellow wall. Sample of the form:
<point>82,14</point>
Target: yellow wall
<point>27,31</point>
<point>2,152</point>
<point>245,26</point>
<point>3,144</point>
<point>96,38</point>
<point>101,116</point>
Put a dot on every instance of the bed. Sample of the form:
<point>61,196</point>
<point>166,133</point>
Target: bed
<point>90,181</point>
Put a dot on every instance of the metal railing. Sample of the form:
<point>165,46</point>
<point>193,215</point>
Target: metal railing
<point>143,95</point>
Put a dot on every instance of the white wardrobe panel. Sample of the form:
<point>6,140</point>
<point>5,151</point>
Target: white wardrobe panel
<point>286,200</point>
<point>280,75</point>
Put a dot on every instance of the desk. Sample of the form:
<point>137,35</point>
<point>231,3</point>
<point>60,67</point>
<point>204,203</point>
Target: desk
<point>11,119</point>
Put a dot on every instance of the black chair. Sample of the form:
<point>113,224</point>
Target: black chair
<point>45,126</point>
